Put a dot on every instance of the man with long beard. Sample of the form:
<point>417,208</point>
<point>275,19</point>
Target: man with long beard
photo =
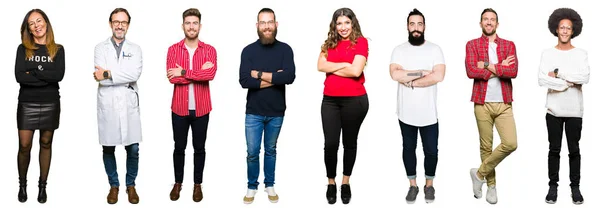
<point>491,62</point>
<point>418,66</point>
<point>267,65</point>
<point>191,64</point>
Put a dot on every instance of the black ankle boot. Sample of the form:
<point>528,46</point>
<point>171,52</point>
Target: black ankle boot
<point>22,190</point>
<point>346,193</point>
<point>331,193</point>
<point>42,194</point>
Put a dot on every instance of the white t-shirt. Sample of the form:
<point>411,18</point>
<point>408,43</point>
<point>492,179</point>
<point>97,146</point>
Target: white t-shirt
<point>191,98</point>
<point>494,88</point>
<point>418,106</point>
<point>573,66</point>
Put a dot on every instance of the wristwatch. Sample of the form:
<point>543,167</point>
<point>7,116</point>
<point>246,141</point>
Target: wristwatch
<point>556,73</point>
<point>182,72</point>
<point>259,74</point>
<point>486,64</point>
<point>105,74</point>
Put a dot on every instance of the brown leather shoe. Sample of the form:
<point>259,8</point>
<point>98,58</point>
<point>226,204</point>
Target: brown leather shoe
<point>175,191</point>
<point>197,193</point>
<point>113,195</point>
<point>132,194</point>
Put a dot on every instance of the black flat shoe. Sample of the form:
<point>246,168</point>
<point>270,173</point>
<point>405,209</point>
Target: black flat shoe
<point>42,197</point>
<point>346,193</point>
<point>331,194</point>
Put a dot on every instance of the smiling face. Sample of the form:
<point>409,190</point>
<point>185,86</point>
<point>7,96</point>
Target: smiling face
<point>266,28</point>
<point>343,26</point>
<point>565,31</point>
<point>119,25</point>
<point>416,30</point>
<point>489,23</point>
<point>191,27</point>
<point>37,26</point>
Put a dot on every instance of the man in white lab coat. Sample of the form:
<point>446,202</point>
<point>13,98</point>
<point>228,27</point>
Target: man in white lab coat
<point>118,64</point>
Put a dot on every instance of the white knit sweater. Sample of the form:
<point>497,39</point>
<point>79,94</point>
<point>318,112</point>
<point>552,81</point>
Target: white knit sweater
<point>563,100</point>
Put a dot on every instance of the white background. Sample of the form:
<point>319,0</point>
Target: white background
<point>78,181</point>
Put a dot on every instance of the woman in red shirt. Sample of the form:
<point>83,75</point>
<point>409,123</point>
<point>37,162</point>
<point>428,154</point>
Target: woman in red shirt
<point>345,102</point>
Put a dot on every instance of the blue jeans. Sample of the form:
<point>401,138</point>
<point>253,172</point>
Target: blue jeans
<point>429,138</point>
<point>110,164</point>
<point>255,126</point>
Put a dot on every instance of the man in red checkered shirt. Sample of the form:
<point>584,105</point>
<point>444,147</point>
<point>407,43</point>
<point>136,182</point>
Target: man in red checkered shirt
<point>492,62</point>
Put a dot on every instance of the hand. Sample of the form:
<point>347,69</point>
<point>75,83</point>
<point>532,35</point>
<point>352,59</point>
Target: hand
<point>509,60</point>
<point>174,72</point>
<point>207,65</point>
<point>551,74</point>
<point>99,73</point>
<point>254,74</point>
<point>480,64</point>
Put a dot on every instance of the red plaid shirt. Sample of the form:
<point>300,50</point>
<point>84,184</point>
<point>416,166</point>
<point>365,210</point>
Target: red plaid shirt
<point>178,54</point>
<point>477,50</point>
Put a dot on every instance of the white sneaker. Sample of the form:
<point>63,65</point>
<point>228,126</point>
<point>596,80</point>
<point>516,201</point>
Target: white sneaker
<point>491,195</point>
<point>477,183</point>
<point>272,195</point>
<point>249,198</point>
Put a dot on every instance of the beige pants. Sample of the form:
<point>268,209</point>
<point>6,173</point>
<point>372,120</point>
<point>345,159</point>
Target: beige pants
<point>501,115</point>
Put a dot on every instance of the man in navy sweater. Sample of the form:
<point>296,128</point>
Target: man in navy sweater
<point>267,65</point>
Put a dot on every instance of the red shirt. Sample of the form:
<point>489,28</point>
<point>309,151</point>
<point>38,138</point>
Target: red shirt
<point>178,54</point>
<point>477,50</point>
<point>345,52</point>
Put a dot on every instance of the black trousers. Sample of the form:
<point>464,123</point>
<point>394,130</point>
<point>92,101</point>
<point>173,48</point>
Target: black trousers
<point>572,128</point>
<point>342,115</point>
<point>181,127</point>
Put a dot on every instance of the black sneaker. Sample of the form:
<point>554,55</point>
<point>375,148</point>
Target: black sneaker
<point>429,194</point>
<point>346,193</point>
<point>576,195</point>
<point>331,193</point>
<point>412,194</point>
<point>552,194</point>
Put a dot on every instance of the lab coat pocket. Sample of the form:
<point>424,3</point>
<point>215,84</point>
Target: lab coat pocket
<point>134,99</point>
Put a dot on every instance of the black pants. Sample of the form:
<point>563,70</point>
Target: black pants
<point>342,115</point>
<point>181,127</point>
<point>572,128</point>
<point>429,138</point>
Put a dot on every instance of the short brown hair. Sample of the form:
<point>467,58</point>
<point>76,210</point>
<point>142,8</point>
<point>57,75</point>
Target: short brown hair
<point>488,10</point>
<point>192,12</point>
<point>118,10</point>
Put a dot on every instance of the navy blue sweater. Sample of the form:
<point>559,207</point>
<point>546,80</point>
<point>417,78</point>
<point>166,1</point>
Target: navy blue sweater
<point>269,101</point>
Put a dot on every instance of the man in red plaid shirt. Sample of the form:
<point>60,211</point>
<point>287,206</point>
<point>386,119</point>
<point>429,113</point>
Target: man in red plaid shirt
<point>492,62</point>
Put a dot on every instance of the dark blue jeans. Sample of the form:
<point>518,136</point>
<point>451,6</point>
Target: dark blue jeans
<point>255,126</point>
<point>181,127</point>
<point>429,138</point>
<point>110,164</point>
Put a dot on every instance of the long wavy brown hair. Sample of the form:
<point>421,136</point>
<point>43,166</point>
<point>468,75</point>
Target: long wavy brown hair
<point>27,38</point>
<point>333,37</point>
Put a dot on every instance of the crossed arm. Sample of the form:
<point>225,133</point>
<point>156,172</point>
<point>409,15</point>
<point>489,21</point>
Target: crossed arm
<point>342,69</point>
<point>417,78</point>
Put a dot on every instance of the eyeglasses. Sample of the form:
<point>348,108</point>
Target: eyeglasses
<point>270,23</point>
<point>123,23</point>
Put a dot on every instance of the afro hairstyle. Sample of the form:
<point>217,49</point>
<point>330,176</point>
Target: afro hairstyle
<point>565,13</point>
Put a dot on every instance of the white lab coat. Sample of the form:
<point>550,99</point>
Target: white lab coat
<point>118,101</point>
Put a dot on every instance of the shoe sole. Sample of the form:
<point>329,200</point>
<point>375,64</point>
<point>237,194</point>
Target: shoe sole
<point>410,202</point>
<point>550,201</point>
<point>578,203</point>
<point>429,200</point>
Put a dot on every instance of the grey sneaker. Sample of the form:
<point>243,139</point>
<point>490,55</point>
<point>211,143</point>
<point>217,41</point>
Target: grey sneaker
<point>576,195</point>
<point>491,195</point>
<point>477,183</point>
<point>429,193</point>
<point>412,194</point>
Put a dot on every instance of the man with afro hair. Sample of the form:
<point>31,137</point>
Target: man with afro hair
<point>563,70</point>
